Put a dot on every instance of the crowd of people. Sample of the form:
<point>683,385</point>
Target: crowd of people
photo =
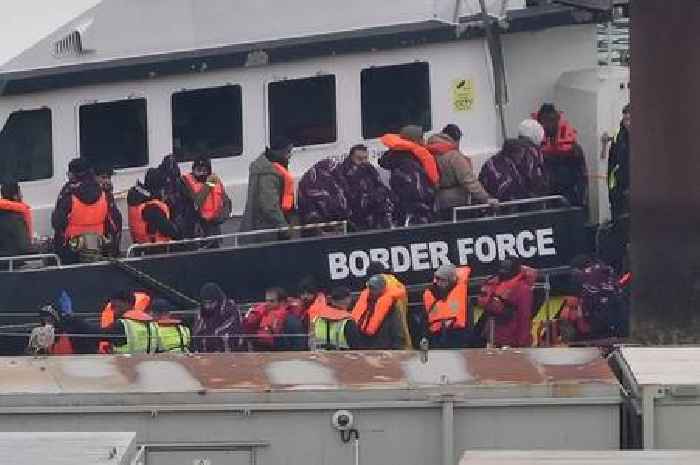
<point>503,313</point>
<point>428,178</point>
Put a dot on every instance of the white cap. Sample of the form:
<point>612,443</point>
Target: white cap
<point>532,130</point>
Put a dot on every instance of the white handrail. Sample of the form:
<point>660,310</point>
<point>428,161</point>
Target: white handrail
<point>512,203</point>
<point>23,258</point>
<point>236,236</point>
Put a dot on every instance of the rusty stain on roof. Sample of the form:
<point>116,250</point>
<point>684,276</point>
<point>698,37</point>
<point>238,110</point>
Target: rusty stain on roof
<point>561,371</point>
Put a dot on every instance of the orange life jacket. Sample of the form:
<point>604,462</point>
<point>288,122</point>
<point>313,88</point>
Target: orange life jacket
<point>139,227</point>
<point>317,307</point>
<point>451,311</point>
<point>370,324</point>
<point>62,346</point>
<point>21,208</point>
<point>143,301</point>
<point>287,197</point>
<point>563,142</point>
<point>87,218</point>
<point>422,154</point>
<point>211,208</point>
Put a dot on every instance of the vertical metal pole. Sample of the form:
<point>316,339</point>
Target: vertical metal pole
<point>448,433</point>
<point>648,417</point>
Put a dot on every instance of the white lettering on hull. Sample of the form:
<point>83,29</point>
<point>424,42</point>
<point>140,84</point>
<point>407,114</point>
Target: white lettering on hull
<point>423,256</point>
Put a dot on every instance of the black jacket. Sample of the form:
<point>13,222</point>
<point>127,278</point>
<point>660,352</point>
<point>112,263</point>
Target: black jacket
<point>155,218</point>
<point>14,239</point>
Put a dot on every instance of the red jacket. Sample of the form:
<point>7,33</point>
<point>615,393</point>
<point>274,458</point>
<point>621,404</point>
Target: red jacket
<point>265,323</point>
<point>510,304</point>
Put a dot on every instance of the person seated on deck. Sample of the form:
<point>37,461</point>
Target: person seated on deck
<point>149,216</point>
<point>331,321</point>
<point>173,335</point>
<point>414,175</point>
<point>119,303</point>
<point>507,300</point>
<point>597,308</point>
<point>310,298</point>
<point>176,195</point>
<point>273,326</point>
<point>270,200</point>
<point>371,203</point>
<point>513,173</point>
<point>459,185</point>
<point>378,268</point>
<point>103,176</point>
<point>208,194</point>
<point>378,317</point>
<point>446,304</point>
<point>15,222</point>
<point>217,325</point>
<point>321,198</point>
<point>70,333</point>
<point>81,216</point>
<point>564,160</point>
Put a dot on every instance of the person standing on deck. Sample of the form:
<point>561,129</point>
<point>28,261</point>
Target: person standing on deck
<point>414,175</point>
<point>371,203</point>
<point>15,222</point>
<point>459,185</point>
<point>209,197</point>
<point>564,160</point>
<point>270,198</point>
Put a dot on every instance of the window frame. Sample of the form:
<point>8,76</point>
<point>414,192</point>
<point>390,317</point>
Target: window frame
<point>132,96</point>
<point>208,87</point>
<point>9,112</point>
<point>266,110</point>
<point>393,65</point>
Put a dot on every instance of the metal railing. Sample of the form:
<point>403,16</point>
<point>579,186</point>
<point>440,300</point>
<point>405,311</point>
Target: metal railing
<point>513,203</point>
<point>12,261</point>
<point>167,247</point>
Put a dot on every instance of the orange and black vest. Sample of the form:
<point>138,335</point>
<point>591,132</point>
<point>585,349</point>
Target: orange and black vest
<point>87,218</point>
<point>422,154</point>
<point>139,227</point>
<point>21,208</point>
<point>142,302</point>
<point>287,195</point>
<point>451,312</point>
<point>563,142</point>
<point>211,208</point>
<point>370,319</point>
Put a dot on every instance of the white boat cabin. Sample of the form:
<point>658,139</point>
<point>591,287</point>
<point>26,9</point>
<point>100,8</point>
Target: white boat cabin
<point>129,82</point>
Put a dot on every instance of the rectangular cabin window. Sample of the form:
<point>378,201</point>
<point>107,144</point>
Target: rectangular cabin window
<point>115,133</point>
<point>207,122</point>
<point>26,148</point>
<point>303,110</point>
<point>394,96</point>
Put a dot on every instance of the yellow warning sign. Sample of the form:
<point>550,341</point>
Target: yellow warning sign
<point>462,94</point>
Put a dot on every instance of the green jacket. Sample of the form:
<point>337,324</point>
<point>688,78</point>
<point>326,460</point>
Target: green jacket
<point>265,187</point>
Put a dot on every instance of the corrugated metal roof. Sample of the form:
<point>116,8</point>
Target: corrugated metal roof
<point>559,373</point>
<point>647,457</point>
<point>663,365</point>
<point>67,448</point>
